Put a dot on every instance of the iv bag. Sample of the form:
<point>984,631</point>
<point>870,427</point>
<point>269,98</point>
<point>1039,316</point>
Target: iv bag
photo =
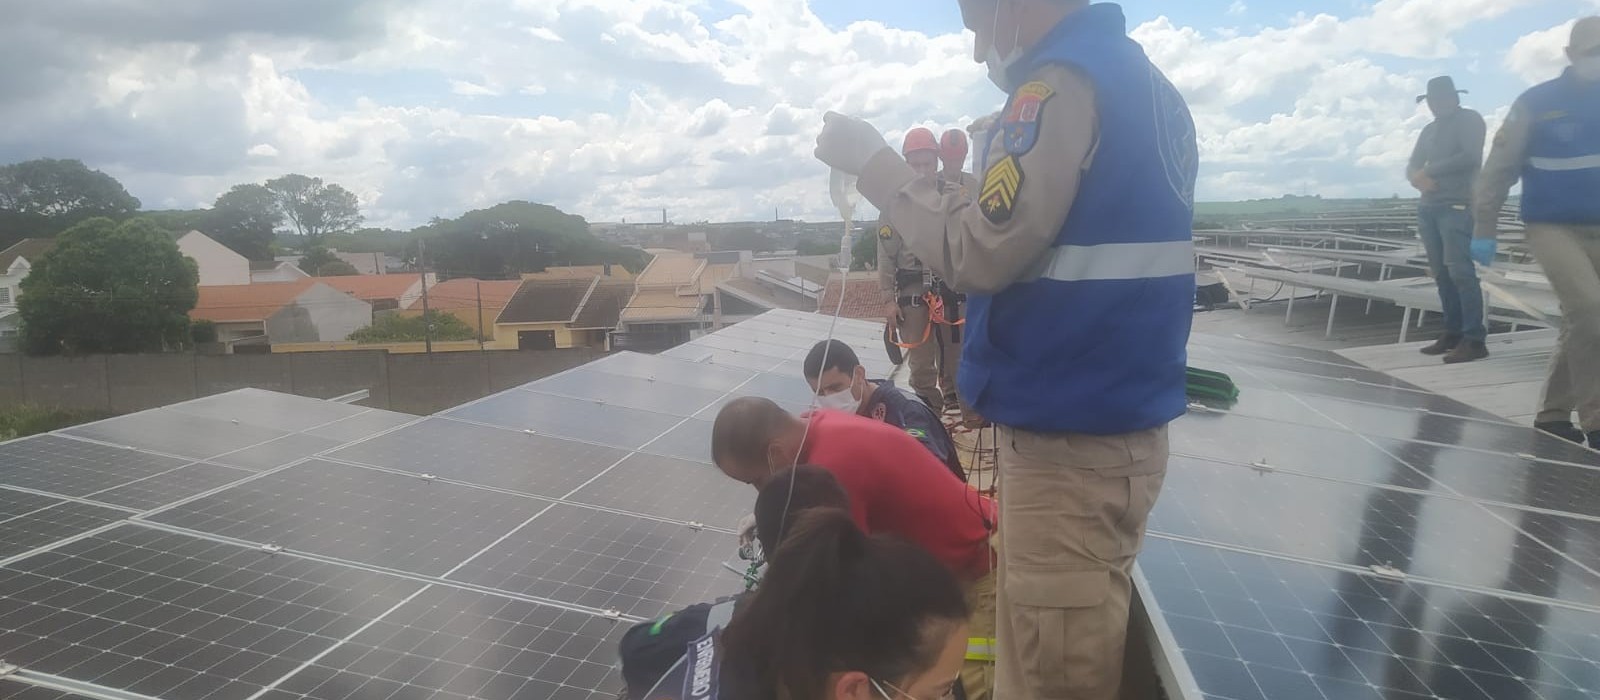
<point>842,188</point>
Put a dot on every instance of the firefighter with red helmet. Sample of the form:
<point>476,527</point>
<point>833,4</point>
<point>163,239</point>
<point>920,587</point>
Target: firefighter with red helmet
<point>904,282</point>
<point>953,179</point>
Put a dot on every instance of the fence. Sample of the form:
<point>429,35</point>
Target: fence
<point>418,384</point>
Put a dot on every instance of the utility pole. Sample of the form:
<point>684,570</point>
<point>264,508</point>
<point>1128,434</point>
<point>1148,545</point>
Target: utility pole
<point>479,285</point>
<point>422,271</point>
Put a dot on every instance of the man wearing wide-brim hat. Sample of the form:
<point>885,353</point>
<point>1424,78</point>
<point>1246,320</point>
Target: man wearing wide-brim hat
<point>1443,166</point>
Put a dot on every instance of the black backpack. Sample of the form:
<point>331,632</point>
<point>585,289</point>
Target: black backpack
<point>651,650</point>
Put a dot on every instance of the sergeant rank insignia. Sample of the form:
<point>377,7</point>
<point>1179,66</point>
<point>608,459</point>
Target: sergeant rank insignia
<point>1000,186</point>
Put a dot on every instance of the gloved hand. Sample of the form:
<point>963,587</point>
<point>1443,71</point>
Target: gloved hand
<point>1484,250</point>
<point>847,143</point>
<point>749,547</point>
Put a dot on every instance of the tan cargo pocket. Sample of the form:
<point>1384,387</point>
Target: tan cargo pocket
<point>1058,619</point>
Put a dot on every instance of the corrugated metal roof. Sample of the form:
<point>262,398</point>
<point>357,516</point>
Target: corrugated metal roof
<point>546,301</point>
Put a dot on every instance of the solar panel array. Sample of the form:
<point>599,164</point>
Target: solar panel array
<point>1335,534</point>
<point>257,545</point>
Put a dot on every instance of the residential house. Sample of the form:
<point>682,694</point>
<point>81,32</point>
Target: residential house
<point>303,311</point>
<point>219,265</point>
<point>262,271</point>
<point>370,263</point>
<point>476,302</point>
<point>546,314</point>
<point>676,301</point>
<point>15,263</point>
<point>383,292</point>
<point>863,299</point>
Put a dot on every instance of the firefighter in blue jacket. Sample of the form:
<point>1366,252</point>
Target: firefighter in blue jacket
<point>1077,259</point>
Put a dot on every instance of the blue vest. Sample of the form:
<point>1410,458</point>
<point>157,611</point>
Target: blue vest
<point>1561,175</point>
<point>1096,343</point>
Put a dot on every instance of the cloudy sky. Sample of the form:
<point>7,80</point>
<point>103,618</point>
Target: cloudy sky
<point>616,109</point>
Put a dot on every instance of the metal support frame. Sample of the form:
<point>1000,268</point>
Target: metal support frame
<point>1333,310</point>
<point>1405,325</point>
<point>1288,315</point>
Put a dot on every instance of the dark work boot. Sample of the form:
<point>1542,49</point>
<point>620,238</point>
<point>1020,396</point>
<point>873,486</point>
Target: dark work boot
<point>1562,429</point>
<point>1466,351</point>
<point>1594,440</point>
<point>1444,344</point>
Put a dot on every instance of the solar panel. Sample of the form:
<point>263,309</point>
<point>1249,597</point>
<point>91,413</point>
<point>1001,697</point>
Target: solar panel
<point>269,409</point>
<point>690,441</point>
<point>607,561</point>
<point>667,370</point>
<point>670,488</point>
<point>172,616</point>
<point>577,419</point>
<point>629,392</point>
<point>468,644</point>
<point>276,453</point>
<point>359,514</point>
<point>74,467</point>
<point>494,457</point>
<point>360,426</point>
<point>177,433</point>
<point>171,487</point>
<point>1253,628</point>
<point>30,522</point>
<point>12,690</point>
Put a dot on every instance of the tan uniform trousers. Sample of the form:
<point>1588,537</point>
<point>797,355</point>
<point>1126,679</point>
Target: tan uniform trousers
<point>1570,256</point>
<point>922,360</point>
<point>1073,510</point>
<point>977,676</point>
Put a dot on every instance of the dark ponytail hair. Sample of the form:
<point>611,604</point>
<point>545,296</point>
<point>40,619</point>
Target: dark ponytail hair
<point>837,600</point>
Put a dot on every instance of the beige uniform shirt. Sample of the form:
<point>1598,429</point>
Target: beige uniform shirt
<point>984,254</point>
<point>1506,160</point>
<point>893,256</point>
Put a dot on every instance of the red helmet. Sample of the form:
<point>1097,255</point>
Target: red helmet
<point>919,139</point>
<point>953,146</point>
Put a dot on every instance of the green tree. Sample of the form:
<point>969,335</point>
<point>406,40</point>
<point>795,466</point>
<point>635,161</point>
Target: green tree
<point>315,208</point>
<point>245,218</point>
<point>315,258</point>
<point>864,252</point>
<point>336,268</point>
<point>813,246</point>
<point>108,288</point>
<point>394,328</point>
<point>46,196</point>
<point>508,239</point>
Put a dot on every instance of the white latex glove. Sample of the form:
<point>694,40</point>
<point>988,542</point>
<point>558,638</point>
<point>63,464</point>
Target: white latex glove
<point>749,548</point>
<point>847,143</point>
<point>978,129</point>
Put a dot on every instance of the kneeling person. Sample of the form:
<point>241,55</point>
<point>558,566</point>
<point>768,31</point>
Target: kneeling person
<point>836,375</point>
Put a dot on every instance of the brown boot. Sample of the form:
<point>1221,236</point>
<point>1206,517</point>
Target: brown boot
<point>1444,344</point>
<point>1466,351</point>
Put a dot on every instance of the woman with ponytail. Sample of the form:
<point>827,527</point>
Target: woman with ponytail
<point>844,616</point>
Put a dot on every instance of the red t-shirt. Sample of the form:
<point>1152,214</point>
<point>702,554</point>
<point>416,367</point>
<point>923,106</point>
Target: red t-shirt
<point>897,486</point>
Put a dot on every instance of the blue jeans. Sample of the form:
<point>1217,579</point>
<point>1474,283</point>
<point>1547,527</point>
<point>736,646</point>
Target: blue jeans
<point>1446,233</point>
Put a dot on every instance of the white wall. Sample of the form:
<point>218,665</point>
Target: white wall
<point>282,273</point>
<point>320,314</point>
<point>219,265</point>
<point>11,281</point>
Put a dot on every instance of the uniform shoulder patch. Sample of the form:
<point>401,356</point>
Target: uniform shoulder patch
<point>917,433</point>
<point>1020,129</point>
<point>1001,184</point>
<point>885,232</point>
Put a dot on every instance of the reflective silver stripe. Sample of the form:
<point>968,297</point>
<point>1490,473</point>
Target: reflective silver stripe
<point>1119,261</point>
<point>1564,164</point>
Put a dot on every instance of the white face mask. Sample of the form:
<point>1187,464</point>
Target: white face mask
<point>1587,68</point>
<point>1000,66</point>
<point>841,400</point>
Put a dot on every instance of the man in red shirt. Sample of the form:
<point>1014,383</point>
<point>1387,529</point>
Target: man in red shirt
<point>896,486</point>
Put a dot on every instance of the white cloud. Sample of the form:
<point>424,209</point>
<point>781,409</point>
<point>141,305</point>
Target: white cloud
<point>1542,55</point>
<point>1238,8</point>
<point>619,108</point>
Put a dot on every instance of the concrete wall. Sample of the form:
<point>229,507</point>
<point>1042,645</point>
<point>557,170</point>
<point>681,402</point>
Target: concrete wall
<point>406,348</point>
<point>320,314</point>
<point>418,384</point>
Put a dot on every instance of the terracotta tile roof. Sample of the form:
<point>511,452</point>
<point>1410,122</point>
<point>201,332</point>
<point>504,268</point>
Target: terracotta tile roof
<point>372,287</point>
<point>862,299</point>
<point>604,307</point>
<point>462,293</point>
<point>27,248</point>
<point>546,301</point>
<point>246,302</point>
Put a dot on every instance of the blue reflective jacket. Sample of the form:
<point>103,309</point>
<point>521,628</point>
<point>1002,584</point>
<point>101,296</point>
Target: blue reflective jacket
<point>1561,177</point>
<point>1096,344</point>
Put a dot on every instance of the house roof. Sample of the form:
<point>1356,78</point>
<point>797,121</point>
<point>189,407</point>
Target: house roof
<point>239,303</point>
<point>28,248</point>
<point>862,297</point>
<point>584,272</point>
<point>603,308</point>
<point>767,296</point>
<point>547,301</point>
<point>462,293</point>
<point>373,287</point>
<point>670,269</point>
<point>659,305</point>
<point>265,265</point>
<point>715,273</point>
